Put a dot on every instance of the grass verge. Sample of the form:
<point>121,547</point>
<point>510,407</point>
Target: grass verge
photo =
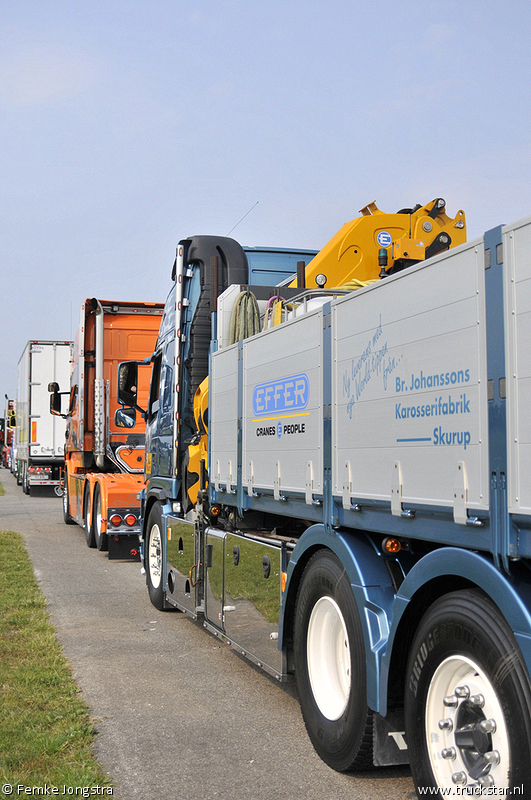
<point>46,731</point>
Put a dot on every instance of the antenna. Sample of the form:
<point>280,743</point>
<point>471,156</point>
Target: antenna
<point>241,220</point>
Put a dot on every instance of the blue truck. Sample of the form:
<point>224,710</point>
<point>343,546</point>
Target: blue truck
<point>341,489</point>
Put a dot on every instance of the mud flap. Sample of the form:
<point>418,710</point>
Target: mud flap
<point>124,546</point>
<point>389,743</point>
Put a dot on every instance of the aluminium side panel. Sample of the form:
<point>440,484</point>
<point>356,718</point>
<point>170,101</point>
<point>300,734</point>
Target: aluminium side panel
<point>409,388</point>
<point>517,292</point>
<point>282,426</point>
<point>223,418</point>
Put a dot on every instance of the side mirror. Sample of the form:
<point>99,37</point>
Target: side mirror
<point>125,417</point>
<point>55,399</point>
<point>127,385</point>
<point>12,421</point>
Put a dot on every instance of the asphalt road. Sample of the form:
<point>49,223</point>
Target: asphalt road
<point>179,714</point>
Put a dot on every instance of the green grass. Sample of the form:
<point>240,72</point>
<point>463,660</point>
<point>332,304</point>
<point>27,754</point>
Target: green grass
<point>46,731</point>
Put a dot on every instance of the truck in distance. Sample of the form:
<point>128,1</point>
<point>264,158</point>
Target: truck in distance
<point>39,438</point>
<point>104,456</point>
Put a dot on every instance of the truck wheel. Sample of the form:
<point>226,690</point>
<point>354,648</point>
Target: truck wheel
<point>329,659</point>
<point>25,484</point>
<point>154,557</point>
<point>66,504</point>
<point>89,526</point>
<point>467,699</point>
<point>100,537</point>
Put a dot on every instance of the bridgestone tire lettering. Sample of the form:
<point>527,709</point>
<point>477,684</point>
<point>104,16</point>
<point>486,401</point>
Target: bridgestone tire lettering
<point>467,699</point>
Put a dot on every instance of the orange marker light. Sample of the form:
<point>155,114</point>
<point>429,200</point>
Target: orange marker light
<point>391,545</point>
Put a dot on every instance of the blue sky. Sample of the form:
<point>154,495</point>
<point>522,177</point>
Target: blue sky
<point>126,126</point>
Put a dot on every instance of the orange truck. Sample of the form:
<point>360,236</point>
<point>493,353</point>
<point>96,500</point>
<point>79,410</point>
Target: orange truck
<point>104,448</point>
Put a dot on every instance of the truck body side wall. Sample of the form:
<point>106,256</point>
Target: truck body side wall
<point>418,445</point>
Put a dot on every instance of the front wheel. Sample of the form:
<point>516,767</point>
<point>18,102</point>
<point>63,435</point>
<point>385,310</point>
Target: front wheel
<point>154,557</point>
<point>467,700</point>
<point>330,665</point>
<point>66,504</point>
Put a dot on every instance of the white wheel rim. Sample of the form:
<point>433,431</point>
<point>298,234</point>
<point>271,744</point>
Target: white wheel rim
<point>155,557</point>
<point>328,653</point>
<point>461,698</point>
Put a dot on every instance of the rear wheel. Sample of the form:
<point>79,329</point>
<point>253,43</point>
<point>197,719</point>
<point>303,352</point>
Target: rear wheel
<point>66,504</point>
<point>154,557</point>
<point>88,524</point>
<point>330,666</point>
<point>25,482</point>
<point>100,537</point>
<point>468,699</point>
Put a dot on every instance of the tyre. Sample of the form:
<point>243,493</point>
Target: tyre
<point>88,525</point>
<point>100,537</point>
<point>154,557</point>
<point>329,657</point>
<point>25,484</point>
<point>66,504</point>
<point>467,700</point>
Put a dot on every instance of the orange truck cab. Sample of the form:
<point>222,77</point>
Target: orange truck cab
<point>104,456</point>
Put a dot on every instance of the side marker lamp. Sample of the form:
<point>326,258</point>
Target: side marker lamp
<point>391,545</point>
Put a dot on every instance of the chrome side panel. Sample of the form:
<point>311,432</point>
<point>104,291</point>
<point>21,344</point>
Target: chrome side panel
<point>242,595</point>
<point>253,572</point>
<point>181,565</point>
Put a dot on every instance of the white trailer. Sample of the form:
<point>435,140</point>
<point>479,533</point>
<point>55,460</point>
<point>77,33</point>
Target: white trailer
<point>40,436</point>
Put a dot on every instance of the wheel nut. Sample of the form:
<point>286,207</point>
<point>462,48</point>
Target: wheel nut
<point>486,780</point>
<point>487,725</point>
<point>445,724</point>
<point>450,701</point>
<point>448,753</point>
<point>462,691</point>
<point>459,778</point>
<point>492,757</point>
<point>477,700</point>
